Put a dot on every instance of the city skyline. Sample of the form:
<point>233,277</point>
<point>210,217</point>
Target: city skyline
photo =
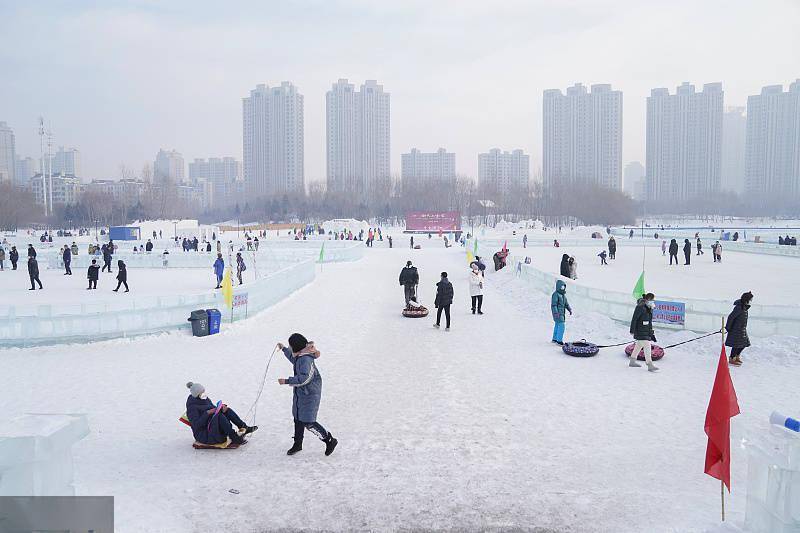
<point>115,116</point>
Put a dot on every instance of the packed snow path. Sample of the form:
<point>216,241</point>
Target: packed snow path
<point>486,426</point>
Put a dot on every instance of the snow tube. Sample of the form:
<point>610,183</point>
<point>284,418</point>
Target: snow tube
<point>415,312</point>
<point>656,351</point>
<point>580,348</point>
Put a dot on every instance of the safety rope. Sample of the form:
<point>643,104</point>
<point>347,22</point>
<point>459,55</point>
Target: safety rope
<point>254,408</point>
<point>665,347</point>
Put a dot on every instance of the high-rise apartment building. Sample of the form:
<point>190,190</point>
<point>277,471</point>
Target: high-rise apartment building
<point>684,142</point>
<point>420,168</point>
<point>582,140</point>
<point>503,172</point>
<point>772,154</point>
<point>8,156</point>
<point>220,173</point>
<point>734,132</point>
<point>273,140</point>
<point>67,162</point>
<point>168,167</point>
<point>25,169</point>
<point>358,137</point>
<point>634,181</point>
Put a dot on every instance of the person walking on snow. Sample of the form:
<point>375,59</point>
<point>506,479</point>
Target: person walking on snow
<point>307,392</point>
<point>663,247</point>
<point>716,251</point>
<point>409,279</point>
<point>67,257</point>
<point>642,331</point>
<point>33,273</point>
<point>444,298</point>
<point>673,251</point>
<point>525,241</point>
<point>240,266</point>
<point>699,247</point>
<point>564,268</point>
<point>219,270</point>
<point>211,428</point>
<point>612,248</point>
<point>476,288</point>
<point>13,256</point>
<point>559,305</point>
<point>122,275</point>
<point>687,251</point>
<point>92,274</point>
<point>736,326</point>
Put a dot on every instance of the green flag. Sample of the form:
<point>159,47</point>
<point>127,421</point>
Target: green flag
<point>638,290</point>
<point>322,253</point>
<point>475,251</point>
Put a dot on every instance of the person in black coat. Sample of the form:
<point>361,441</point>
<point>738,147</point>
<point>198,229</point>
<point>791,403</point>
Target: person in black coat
<point>149,246</point>
<point>33,273</point>
<point>122,275</point>
<point>444,298</point>
<point>107,250</point>
<point>736,326</point>
<point>13,257</point>
<point>31,251</point>
<point>93,274</point>
<point>673,251</point>
<point>409,279</point>
<point>67,257</point>
<point>210,428</point>
<point>642,331</point>
<point>612,248</point>
<point>687,251</point>
<point>565,265</point>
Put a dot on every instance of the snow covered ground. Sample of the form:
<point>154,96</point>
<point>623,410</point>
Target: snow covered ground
<point>488,426</point>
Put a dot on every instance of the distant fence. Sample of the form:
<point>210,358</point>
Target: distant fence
<point>701,315</point>
<point>64,323</point>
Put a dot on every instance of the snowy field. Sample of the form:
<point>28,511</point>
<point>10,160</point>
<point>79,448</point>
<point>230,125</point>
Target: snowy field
<point>486,427</point>
<point>766,276</point>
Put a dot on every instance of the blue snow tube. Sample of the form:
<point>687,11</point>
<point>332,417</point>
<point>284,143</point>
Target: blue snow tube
<point>580,348</point>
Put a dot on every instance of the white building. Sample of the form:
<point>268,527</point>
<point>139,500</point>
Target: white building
<point>734,132</point>
<point>221,173</point>
<point>582,140</point>
<point>421,168</point>
<point>8,157</point>
<point>168,167</point>
<point>25,169</point>
<point>273,140</point>
<point>684,142</point>
<point>772,155</point>
<point>634,181</point>
<point>67,161</point>
<point>65,190</point>
<point>503,172</point>
<point>358,137</point>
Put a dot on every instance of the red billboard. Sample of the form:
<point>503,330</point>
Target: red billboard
<point>433,221</point>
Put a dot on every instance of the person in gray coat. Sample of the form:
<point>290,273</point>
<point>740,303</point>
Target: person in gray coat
<point>736,326</point>
<point>642,331</point>
<point>307,392</point>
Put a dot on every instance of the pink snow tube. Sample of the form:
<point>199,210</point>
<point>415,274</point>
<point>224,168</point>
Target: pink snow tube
<point>656,350</point>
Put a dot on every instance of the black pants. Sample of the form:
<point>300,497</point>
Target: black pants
<point>612,255</point>
<point>13,265</point>
<point>67,268</point>
<point>603,261</point>
<point>736,351</point>
<point>227,420</point>
<point>121,282</point>
<point>92,283</point>
<point>688,256</point>
<point>106,264</point>
<point>676,259</point>
<point>446,309</point>
<point>35,279</point>
<point>475,300</point>
<point>314,427</point>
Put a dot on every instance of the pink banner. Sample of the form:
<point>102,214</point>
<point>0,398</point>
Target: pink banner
<point>433,221</point>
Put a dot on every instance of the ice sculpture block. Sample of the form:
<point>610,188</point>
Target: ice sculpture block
<point>36,454</point>
<point>773,482</point>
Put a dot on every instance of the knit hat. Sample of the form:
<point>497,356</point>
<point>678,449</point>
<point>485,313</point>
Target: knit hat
<point>747,297</point>
<point>408,263</point>
<point>297,342</point>
<point>195,389</point>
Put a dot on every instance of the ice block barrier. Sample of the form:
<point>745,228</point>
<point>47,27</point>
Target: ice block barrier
<point>773,482</point>
<point>36,454</point>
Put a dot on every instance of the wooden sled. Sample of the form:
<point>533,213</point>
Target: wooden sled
<point>227,445</point>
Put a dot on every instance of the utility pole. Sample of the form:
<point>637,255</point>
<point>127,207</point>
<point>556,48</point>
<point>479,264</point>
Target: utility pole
<point>42,163</point>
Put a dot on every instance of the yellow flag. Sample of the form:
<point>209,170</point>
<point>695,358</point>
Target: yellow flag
<point>470,257</point>
<point>227,288</point>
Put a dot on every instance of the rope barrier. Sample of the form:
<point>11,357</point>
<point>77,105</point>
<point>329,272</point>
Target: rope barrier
<point>665,347</point>
<point>254,408</point>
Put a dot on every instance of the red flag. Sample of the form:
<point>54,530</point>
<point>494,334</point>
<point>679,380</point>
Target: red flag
<point>721,408</point>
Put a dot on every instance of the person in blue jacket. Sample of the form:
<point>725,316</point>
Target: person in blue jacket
<point>208,428</point>
<point>559,305</point>
<point>307,392</point>
<point>219,269</point>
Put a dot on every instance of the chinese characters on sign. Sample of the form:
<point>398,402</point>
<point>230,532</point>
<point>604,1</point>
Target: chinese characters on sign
<point>669,312</point>
<point>433,221</point>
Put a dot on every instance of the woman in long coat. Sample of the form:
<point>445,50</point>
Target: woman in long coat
<point>736,326</point>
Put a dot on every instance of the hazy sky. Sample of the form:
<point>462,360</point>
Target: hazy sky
<point>118,80</point>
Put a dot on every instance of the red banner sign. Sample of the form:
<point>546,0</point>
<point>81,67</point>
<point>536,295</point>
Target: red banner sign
<point>433,221</point>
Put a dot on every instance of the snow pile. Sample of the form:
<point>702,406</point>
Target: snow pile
<point>345,224</point>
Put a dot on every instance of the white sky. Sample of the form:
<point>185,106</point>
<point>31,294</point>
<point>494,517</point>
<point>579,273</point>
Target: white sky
<point>119,80</point>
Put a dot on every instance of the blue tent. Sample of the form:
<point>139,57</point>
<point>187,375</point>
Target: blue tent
<point>125,233</point>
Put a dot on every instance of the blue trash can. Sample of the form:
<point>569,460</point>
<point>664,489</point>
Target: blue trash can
<point>214,320</point>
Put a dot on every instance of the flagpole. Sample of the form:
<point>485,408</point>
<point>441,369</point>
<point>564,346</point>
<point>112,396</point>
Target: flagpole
<point>722,483</point>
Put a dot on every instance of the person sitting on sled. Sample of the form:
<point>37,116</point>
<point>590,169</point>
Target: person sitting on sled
<point>210,426</point>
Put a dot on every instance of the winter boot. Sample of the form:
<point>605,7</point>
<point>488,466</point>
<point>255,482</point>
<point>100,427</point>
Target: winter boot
<point>330,444</point>
<point>651,368</point>
<point>436,326</point>
<point>249,429</point>
<point>298,445</point>
<point>736,361</point>
<point>633,362</point>
<point>238,440</point>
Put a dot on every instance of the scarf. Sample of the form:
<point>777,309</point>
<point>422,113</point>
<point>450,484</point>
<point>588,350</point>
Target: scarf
<point>310,349</point>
